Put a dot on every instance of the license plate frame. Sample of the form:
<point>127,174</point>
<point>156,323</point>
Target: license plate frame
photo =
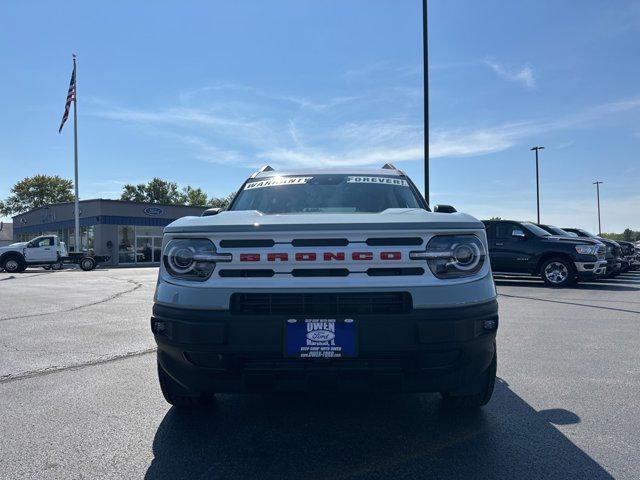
<point>318,338</point>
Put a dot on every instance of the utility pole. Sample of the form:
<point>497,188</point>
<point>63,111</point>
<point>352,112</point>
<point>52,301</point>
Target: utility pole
<point>425,63</point>
<point>537,181</point>
<point>597,184</point>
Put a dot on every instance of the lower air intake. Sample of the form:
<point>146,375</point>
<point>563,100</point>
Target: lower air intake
<point>374,303</point>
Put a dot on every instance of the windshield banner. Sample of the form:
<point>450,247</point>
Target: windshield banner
<point>379,181</point>
<point>277,181</point>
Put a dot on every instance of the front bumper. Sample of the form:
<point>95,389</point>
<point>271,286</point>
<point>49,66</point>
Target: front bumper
<point>590,270</point>
<point>426,350</point>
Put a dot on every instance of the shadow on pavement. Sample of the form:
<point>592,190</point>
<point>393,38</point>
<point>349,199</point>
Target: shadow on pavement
<point>363,437</point>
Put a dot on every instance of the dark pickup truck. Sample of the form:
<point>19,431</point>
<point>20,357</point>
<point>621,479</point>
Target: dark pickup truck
<point>522,248</point>
<point>613,254</point>
<point>628,255</point>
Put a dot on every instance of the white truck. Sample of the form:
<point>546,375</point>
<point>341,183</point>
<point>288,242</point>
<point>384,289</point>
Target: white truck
<point>340,279</point>
<point>46,251</point>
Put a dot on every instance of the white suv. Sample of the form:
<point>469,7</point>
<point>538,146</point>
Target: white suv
<point>326,280</point>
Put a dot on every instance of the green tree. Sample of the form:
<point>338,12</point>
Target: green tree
<point>37,191</point>
<point>629,235</point>
<point>222,202</point>
<point>134,193</point>
<point>155,191</point>
<point>194,197</point>
<point>163,191</point>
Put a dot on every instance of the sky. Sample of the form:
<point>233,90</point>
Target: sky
<point>204,92</point>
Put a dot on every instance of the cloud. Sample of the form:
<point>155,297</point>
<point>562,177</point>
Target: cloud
<point>383,68</point>
<point>261,94</point>
<point>173,116</point>
<point>318,158</point>
<point>523,76</point>
<point>240,125</point>
<point>479,142</point>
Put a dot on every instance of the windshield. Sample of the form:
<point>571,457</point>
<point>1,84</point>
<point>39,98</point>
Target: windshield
<point>559,231</point>
<point>536,230</point>
<point>326,193</point>
<point>588,234</point>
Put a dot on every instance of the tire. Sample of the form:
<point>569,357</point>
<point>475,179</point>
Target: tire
<point>14,264</point>
<point>558,272</point>
<point>479,399</point>
<point>178,396</point>
<point>56,266</point>
<point>87,264</point>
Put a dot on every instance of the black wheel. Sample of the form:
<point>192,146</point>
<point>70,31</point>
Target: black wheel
<point>178,396</point>
<point>87,264</point>
<point>480,398</point>
<point>558,272</point>
<point>14,264</point>
<point>56,266</point>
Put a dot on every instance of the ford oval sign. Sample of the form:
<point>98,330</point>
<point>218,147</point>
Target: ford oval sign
<point>153,211</point>
<point>321,335</point>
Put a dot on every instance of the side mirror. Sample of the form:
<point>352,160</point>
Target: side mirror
<point>210,212</point>
<point>444,209</point>
<point>518,234</point>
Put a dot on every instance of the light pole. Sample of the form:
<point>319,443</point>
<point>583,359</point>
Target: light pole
<point>597,184</point>
<point>425,62</point>
<point>537,181</point>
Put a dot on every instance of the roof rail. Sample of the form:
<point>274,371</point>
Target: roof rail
<point>266,168</point>
<point>391,166</point>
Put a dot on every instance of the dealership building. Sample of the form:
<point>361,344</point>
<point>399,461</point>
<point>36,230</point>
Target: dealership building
<point>130,233</point>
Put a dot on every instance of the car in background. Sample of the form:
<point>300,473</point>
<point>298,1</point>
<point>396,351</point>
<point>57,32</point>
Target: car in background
<point>614,252</point>
<point>629,253</point>
<point>523,248</point>
<point>635,265</point>
<point>557,231</point>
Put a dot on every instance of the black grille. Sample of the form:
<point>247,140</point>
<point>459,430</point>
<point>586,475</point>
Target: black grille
<point>390,242</point>
<point>321,303</point>
<point>257,243</point>
<point>320,272</point>
<point>246,273</point>
<point>392,272</point>
<point>320,242</point>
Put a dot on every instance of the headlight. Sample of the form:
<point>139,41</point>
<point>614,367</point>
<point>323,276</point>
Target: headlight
<point>453,256</point>
<point>192,259</point>
<point>586,249</point>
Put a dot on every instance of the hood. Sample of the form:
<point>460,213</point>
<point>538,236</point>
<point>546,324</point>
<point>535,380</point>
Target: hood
<point>390,219</point>
<point>13,246</point>
<point>606,241</point>
<point>573,240</point>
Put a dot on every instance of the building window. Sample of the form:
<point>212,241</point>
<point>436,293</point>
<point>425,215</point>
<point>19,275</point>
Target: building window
<point>87,236</point>
<point>126,238</point>
<point>141,244</point>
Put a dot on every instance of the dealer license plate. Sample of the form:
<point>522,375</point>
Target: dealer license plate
<point>320,338</point>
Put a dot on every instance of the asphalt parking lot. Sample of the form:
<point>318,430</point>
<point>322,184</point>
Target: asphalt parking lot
<point>79,396</point>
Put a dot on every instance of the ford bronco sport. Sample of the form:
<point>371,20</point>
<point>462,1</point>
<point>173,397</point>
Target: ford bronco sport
<point>314,280</point>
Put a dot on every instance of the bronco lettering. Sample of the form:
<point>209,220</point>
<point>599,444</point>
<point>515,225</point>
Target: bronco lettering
<point>326,256</point>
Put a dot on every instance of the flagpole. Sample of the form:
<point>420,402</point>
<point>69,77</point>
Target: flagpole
<point>75,158</point>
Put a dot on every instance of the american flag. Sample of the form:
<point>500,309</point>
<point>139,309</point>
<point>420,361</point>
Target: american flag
<point>71,97</point>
